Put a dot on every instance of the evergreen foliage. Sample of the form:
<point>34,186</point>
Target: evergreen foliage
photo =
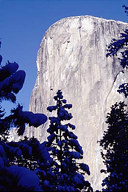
<point>115,138</point>
<point>11,82</point>
<point>119,48</point>
<point>115,145</point>
<point>18,160</point>
<point>64,148</point>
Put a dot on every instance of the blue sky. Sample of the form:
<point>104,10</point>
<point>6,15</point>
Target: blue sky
<point>24,22</point>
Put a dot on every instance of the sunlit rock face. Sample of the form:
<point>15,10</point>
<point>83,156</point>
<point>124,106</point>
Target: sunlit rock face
<point>72,57</point>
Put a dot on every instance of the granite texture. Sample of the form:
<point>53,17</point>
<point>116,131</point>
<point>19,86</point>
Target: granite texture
<point>72,57</point>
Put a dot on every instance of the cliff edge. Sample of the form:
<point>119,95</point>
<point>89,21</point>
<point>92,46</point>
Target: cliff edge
<point>72,57</point>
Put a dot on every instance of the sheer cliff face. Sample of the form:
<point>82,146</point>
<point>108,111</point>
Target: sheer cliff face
<point>72,57</point>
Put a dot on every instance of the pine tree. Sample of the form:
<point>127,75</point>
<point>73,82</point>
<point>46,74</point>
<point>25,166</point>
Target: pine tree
<point>11,82</point>
<point>119,48</point>
<point>65,150</point>
<point>115,145</point>
<point>18,160</point>
<point>115,138</point>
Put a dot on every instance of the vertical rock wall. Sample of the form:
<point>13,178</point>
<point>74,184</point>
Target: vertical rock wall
<point>72,57</point>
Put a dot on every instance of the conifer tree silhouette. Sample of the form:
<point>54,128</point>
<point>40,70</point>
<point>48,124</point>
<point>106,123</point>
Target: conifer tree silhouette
<point>65,149</point>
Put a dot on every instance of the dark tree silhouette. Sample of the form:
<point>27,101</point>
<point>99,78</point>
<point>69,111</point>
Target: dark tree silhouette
<point>18,160</point>
<point>119,48</point>
<point>11,82</point>
<point>65,150</point>
<point>115,138</point>
<point>115,145</point>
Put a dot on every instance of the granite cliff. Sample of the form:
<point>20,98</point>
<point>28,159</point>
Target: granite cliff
<point>72,57</point>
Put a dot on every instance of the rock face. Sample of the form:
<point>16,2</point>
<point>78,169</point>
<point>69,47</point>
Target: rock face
<point>72,57</point>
